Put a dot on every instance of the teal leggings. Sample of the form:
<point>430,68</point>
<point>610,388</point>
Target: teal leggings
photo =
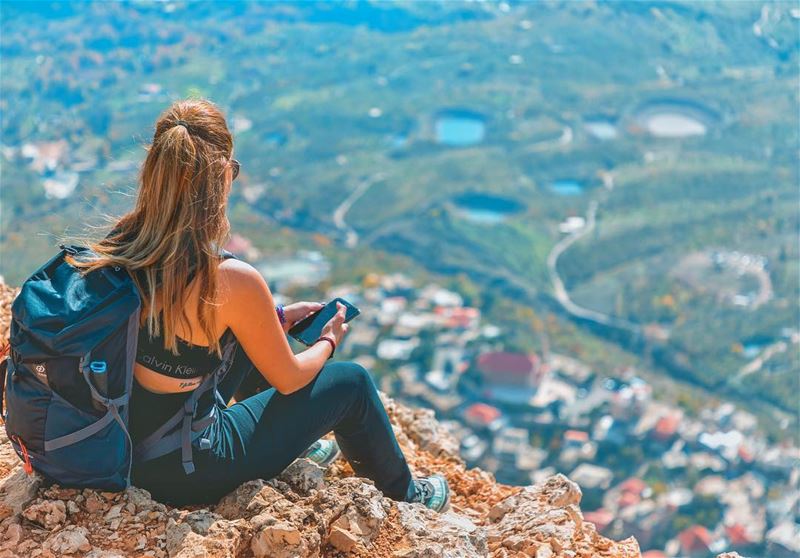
<point>260,436</point>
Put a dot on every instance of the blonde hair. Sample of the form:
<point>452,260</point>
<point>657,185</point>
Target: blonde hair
<point>179,218</point>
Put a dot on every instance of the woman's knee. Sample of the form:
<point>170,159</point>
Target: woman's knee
<point>352,375</point>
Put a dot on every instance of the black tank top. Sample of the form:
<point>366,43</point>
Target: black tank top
<point>194,360</point>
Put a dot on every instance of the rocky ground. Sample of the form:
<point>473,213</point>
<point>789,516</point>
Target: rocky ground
<point>306,511</point>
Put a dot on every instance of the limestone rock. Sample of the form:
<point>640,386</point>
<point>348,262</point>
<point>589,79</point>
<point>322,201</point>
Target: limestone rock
<point>430,533</point>
<point>353,505</point>
<point>303,475</point>
<point>421,427</point>
<point>342,539</point>
<point>279,540</point>
<point>545,519</point>
<point>47,513</point>
<point>70,540</point>
<point>17,490</point>
<point>242,501</point>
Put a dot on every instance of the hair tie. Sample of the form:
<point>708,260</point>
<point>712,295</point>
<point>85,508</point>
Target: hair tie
<point>182,123</point>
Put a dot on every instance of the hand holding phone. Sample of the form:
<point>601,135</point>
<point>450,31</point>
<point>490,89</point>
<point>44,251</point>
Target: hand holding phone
<point>336,328</point>
<point>331,320</point>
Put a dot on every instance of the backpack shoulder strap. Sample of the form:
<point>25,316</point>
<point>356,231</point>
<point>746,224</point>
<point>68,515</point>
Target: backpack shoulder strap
<point>226,254</point>
<point>183,427</point>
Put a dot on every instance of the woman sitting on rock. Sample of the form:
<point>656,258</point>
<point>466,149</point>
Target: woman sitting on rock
<point>191,297</point>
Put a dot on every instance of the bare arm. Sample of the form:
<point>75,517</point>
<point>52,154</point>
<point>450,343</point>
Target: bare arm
<point>249,310</point>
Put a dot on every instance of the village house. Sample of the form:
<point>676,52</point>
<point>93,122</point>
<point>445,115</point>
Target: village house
<point>509,378</point>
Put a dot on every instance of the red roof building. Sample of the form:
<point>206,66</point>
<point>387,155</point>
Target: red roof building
<point>628,499</point>
<point>458,316</point>
<point>695,540</point>
<point>506,368</point>
<point>738,535</point>
<point>576,437</point>
<point>633,485</point>
<point>481,414</point>
<point>745,455</point>
<point>667,427</point>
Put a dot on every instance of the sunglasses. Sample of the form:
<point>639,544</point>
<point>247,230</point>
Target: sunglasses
<point>236,166</point>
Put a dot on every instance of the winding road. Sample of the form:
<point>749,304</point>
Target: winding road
<point>560,290</point>
<point>351,236</point>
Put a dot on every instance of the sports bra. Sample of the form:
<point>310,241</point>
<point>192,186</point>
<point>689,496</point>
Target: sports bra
<point>194,360</point>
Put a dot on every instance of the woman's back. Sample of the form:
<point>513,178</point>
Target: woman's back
<point>157,369</point>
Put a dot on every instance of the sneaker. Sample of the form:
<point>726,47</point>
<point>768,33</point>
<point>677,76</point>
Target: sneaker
<point>323,452</point>
<point>433,492</point>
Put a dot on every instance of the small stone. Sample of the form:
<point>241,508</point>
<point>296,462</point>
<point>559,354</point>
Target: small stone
<point>276,541</point>
<point>303,475</point>
<point>94,503</point>
<point>12,536</point>
<point>48,513</point>
<point>342,540</point>
<point>114,512</point>
<point>17,491</point>
<point>69,540</point>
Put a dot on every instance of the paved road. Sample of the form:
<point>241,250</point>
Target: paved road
<point>351,236</point>
<point>558,285</point>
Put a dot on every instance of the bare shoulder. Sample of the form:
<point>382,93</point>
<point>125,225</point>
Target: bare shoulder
<point>234,267</point>
<point>248,308</point>
<point>238,276</point>
<point>240,282</point>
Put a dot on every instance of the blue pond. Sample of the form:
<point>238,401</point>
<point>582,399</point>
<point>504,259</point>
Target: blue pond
<point>566,187</point>
<point>753,346</point>
<point>601,129</point>
<point>485,209</point>
<point>459,129</point>
<point>751,350</point>
<point>397,140</point>
<point>276,138</point>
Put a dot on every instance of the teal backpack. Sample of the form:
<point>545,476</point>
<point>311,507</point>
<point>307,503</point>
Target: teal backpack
<point>68,375</point>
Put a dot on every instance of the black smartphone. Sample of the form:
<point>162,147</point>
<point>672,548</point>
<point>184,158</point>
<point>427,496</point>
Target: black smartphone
<point>309,328</point>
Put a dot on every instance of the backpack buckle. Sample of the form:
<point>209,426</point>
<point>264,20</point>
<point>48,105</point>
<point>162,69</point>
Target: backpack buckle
<point>188,466</point>
<point>69,249</point>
